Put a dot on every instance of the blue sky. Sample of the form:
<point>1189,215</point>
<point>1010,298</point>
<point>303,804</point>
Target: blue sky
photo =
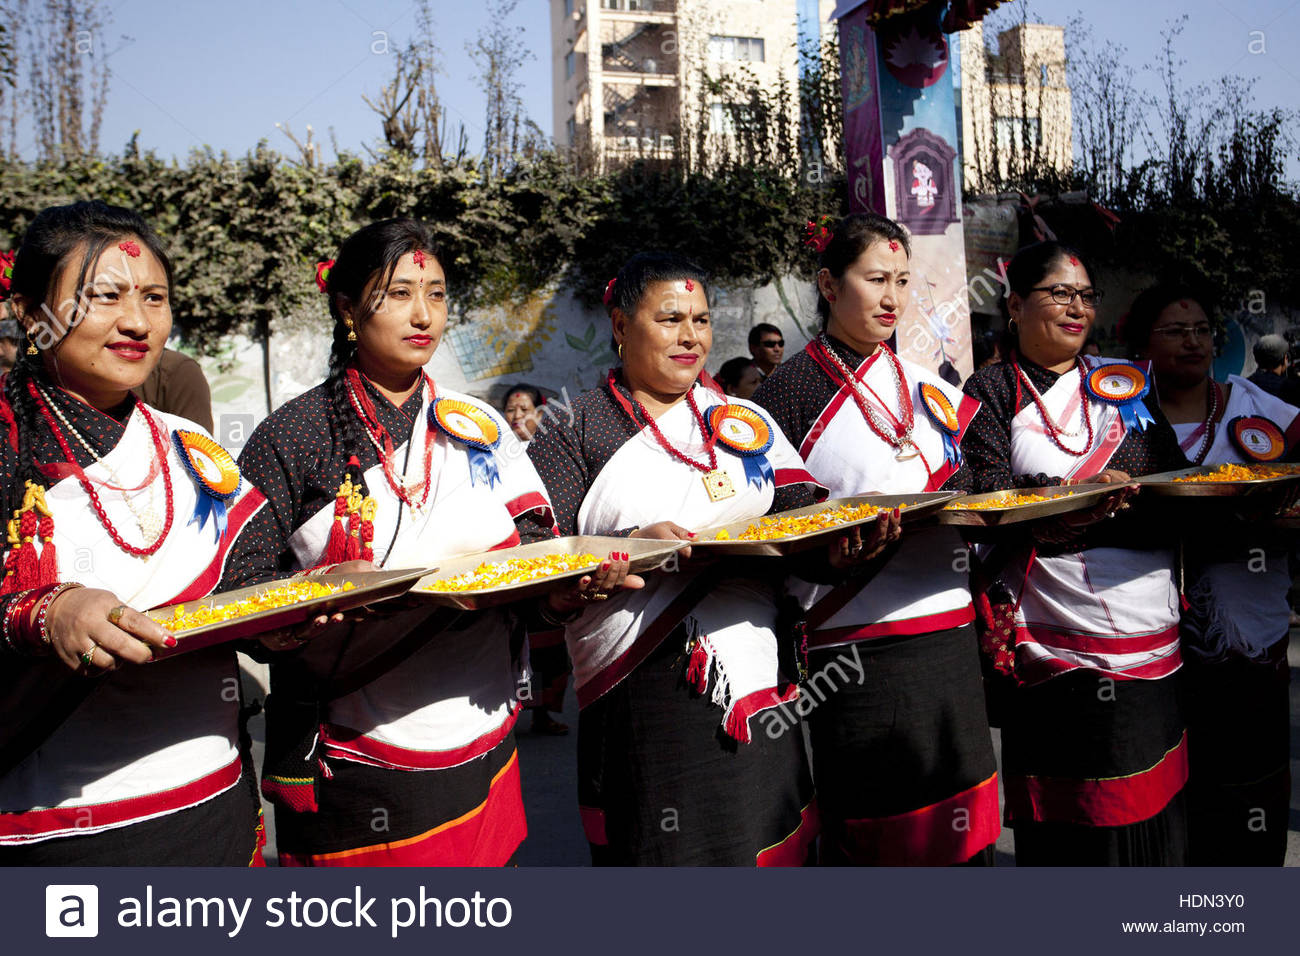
<point>222,75</point>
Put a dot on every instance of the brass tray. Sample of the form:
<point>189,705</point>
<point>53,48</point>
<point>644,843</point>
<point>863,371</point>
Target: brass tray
<point>646,554</point>
<point>914,507</point>
<point>1163,484</point>
<point>1075,498</point>
<point>367,588</point>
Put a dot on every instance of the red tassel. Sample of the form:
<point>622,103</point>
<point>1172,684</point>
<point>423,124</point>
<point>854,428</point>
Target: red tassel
<point>367,537</point>
<point>48,568</point>
<point>738,724</point>
<point>338,540</point>
<point>697,672</point>
<point>27,567</point>
<point>354,536</point>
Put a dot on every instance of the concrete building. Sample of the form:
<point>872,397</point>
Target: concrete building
<point>629,76</point>
<point>1015,103</point>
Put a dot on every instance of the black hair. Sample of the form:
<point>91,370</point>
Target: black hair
<point>532,391</point>
<point>647,267</point>
<point>1146,308</point>
<point>760,330</point>
<point>1030,265</point>
<point>731,371</point>
<point>370,253</point>
<point>850,237</point>
<point>55,237</point>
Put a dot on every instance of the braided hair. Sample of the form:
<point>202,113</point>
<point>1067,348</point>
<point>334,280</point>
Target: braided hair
<point>356,282</point>
<point>59,238</point>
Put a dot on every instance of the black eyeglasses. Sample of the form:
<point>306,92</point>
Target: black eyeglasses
<point>774,343</point>
<point>1064,295</point>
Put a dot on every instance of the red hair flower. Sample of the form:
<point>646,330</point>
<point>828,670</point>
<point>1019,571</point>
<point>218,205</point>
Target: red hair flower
<point>608,297</point>
<point>130,248</point>
<point>6,273</point>
<point>818,234</point>
<point>323,273</point>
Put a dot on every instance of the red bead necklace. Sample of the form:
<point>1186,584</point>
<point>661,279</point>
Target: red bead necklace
<point>903,423</point>
<point>383,442</point>
<point>709,440</point>
<point>1054,431</point>
<point>159,447</point>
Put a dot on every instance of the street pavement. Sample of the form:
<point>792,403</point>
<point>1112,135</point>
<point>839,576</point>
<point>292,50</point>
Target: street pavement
<point>548,767</point>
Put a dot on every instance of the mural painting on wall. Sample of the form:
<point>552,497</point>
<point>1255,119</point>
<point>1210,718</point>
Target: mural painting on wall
<point>503,341</point>
<point>914,54</point>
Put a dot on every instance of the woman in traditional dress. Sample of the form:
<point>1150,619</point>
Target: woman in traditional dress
<point>393,743</point>
<point>687,750</point>
<point>901,750</point>
<point>1236,619</point>
<point>1094,755</point>
<point>108,761</point>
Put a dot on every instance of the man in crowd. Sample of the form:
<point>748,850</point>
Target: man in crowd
<point>1273,358</point>
<point>767,345</point>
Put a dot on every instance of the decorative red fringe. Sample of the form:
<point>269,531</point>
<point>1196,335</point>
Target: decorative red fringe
<point>48,568</point>
<point>738,724</point>
<point>697,672</point>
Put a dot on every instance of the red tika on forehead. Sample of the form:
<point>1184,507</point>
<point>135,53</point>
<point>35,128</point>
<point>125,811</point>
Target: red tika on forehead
<point>690,286</point>
<point>1183,303</point>
<point>419,257</point>
<point>130,248</point>
<point>893,245</point>
<point>1073,261</point>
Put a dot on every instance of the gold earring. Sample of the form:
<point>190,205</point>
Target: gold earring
<point>31,344</point>
<point>352,333</point>
<point>620,351</point>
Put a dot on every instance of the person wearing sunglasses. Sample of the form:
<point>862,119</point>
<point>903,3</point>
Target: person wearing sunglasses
<point>1237,619</point>
<point>1080,613</point>
<point>767,345</point>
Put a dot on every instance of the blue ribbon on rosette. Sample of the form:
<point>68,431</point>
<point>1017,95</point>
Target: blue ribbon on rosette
<point>1125,386</point>
<point>473,428</point>
<point>939,407</point>
<point>744,433</point>
<point>214,490</point>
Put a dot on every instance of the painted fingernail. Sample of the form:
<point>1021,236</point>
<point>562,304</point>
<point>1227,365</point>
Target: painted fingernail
<point>690,534</point>
<point>605,566</point>
<point>170,642</point>
<point>625,557</point>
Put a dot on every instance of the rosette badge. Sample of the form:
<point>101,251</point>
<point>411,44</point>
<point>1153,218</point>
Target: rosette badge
<point>1124,386</point>
<point>745,433</point>
<point>939,408</point>
<point>214,471</point>
<point>474,428</point>
<point>1257,438</point>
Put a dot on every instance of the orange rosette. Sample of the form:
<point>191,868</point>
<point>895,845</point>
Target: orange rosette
<point>1257,438</point>
<point>940,409</point>
<point>213,470</point>
<point>746,433</point>
<point>470,425</point>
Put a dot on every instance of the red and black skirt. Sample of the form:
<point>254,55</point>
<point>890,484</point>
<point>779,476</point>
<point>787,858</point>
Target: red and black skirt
<point>901,750</point>
<point>468,815</point>
<point>1094,770</point>
<point>660,783</point>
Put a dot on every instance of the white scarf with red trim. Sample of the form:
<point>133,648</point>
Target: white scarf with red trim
<point>449,701</point>
<point>925,586</point>
<point>1109,609</point>
<point>733,640</point>
<point>156,738</point>
<point>1239,607</point>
